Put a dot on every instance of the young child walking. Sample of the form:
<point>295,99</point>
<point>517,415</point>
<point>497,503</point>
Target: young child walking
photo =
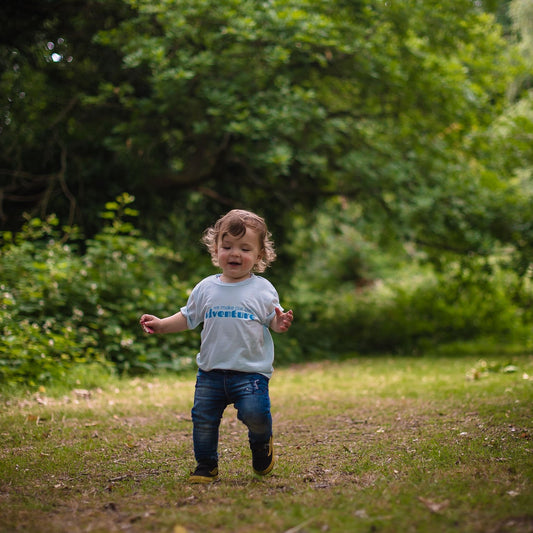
<point>235,363</point>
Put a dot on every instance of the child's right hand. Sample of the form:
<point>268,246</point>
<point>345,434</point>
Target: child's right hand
<point>149,323</point>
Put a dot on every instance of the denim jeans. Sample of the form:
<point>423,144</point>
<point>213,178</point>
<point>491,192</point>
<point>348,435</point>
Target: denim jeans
<point>217,389</point>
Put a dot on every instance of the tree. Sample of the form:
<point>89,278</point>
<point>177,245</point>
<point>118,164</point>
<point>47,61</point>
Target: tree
<point>507,152</point>
<point>52,156</point>
<point>276,106</point>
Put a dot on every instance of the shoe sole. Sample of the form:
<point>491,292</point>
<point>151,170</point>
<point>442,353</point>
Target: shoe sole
<point>266,471</point>
<point>269,468</point>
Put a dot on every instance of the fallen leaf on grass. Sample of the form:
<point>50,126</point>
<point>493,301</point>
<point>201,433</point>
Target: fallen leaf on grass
<point>35,418</point>
<point>301,526</point>
<point>119,478</point>
<point>434,507</point>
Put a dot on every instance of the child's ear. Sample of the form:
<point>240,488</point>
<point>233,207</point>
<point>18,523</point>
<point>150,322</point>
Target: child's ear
<point>260,256</point>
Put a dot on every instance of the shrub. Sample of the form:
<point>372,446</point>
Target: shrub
<point>460,307</point>
<point>60,308</point>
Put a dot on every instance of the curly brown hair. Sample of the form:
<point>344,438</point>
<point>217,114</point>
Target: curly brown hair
<point>235,222</point>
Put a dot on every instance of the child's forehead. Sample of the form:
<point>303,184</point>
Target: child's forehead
<point>249,235</point>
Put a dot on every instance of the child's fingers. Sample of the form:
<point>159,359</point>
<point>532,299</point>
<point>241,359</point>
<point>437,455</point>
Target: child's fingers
<point>281,314</point>
<point>284,319</point>
<point>144,321</point>
<point>147,329</point>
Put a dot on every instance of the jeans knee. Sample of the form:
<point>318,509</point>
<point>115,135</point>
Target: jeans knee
<point>257,421</point>
<point>206,417</point>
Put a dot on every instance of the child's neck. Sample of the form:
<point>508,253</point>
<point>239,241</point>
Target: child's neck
<point>225,279</point>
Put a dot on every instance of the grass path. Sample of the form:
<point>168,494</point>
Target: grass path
<point>366,445</point>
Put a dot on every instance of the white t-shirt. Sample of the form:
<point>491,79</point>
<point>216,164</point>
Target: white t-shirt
<point>236,317</point>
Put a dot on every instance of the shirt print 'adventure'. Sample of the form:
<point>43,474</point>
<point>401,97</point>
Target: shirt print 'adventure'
<point>229,311</point>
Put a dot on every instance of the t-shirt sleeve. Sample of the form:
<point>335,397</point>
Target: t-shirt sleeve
<point>273,300</point>
<point>193,311</point>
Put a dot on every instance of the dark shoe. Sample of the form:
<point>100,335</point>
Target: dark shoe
<point>204,473</point>
<point>263,457</point>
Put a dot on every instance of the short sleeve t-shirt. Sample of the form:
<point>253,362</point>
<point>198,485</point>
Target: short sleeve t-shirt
<point>236,318</point>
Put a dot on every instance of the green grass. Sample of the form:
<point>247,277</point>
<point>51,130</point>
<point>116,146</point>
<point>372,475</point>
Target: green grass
<point>382,444</point>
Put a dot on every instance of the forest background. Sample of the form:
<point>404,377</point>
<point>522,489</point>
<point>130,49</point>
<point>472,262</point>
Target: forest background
<point>389,145</point>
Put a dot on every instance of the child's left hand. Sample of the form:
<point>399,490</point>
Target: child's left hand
<point>282,321</point>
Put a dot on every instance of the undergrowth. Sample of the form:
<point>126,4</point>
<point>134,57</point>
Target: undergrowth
<point>429,444</point>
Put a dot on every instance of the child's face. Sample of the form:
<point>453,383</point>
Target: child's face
<point>238,255</point>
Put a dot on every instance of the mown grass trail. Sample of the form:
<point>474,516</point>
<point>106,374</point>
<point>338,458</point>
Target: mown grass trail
<point>364,445</point>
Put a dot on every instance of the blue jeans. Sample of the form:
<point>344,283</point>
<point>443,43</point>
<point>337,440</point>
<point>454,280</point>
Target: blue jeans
<point>217,389</point>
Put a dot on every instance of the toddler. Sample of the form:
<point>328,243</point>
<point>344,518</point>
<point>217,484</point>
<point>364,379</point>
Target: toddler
<point>238,309</point>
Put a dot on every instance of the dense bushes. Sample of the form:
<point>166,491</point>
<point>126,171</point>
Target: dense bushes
<point>357,288</point>
<point>70,307</point>
<point>468,309</point>
<point>61,307</point>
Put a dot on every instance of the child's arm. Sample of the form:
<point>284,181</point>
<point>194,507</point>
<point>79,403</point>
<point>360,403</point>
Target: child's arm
<point>282,321</point>
<point>170,324</point>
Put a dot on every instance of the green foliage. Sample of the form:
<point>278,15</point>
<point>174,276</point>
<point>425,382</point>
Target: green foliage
<point>61,307</point>
<point>382,301</point>
<point>369,100</point>
<point>197,106</point>
<point>356,286</point>
<point>482,369</point>
<point>69,303</point>
<point>371,135</point>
